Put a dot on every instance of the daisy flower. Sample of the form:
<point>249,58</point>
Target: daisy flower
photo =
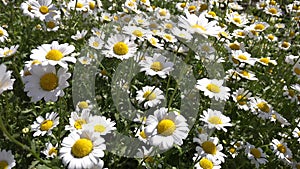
<point>235,147</point>
<point>120,47</point>
<point>239,33</point>
<point>244,57</point>
<point>79,35</point>
<point>3,34</point>
<point>84,105</point>
<point>82,150</point>
<point>45,125</point>
<point>296,69</point>
<point>43,8</point>
<point>291,59</point>
<point>284,45</point>
<point>45,82</point>
<point>199,24</point>
<point>249,75</point>
<point>50,151</point>
<point>78,5</point>
<point>6,83</point>
<point>150,95</point>
<point>209,148</point>
<point>281,150</point>
<point>7,160</point>
<point>27,8</point>
<point>296,134</point>
<point>141,134</point>
<point>77,120</point>
<point>51,23</point>
<point>266,61</point>
<point>54,54</point>
<point>100,125</point>
<point>278,117</point>
<point>146,154</point>
<point>271,38</point>
<point>290,93</point>
<point>136,32</point>
<point>261,107</point>
<point>7,52</point>
<point>181,34</point>
<point>241,97</point>
<point>259,26</point>
<point>213,88</point>
<point>233,46</point>
<point>166,128</point>
<point>96,42</point>
<point>162,13</point>
<point>215,119</point>
<point>236,19</point>
<point>273,10</point>
<point>156,65</point>
<point>154,42</point>
<point>206,163</point>
<point>255,155</point>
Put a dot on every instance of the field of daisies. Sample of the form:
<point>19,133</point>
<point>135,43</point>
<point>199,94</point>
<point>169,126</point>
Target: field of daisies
<point>167,84</point>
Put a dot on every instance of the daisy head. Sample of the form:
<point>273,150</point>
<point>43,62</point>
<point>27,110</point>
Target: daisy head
<point>273,10</point>
<point>255,155</point>
<point>43,8</point>
<point>96,42</point>
<point>259,26</point>
<point>243,57</point>
<point>261,107</point>
<point>284,45</point>
<point>6,83</point>
<point>281,150</point>
<point>7,52</point>
<point>78,120</point>
<point>120,47</point>
<point>82,150</point>
<point>266,61</point>
<point>156,65</point>
<point>45,125</point>
<point>45,82</point>
<point>150,96</point>
<point>209,147</point>
<point>166,129</point>
<point>241,97</point>
<point>7,160</point>
<point>3,34</point>
<point>84,104</point>
<point>296,69</point>
<point>50,151</point>
<point>206,162</point>
<point>215,119</point>
<point>246,74</point>
<point>213,88</point>
<point>54,54</point>
<point>100,125</point>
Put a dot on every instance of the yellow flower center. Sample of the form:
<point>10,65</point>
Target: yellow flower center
<point>35,62</point>
<point>156,66</point>
<point>213,88</point>
<point>241,99</point>
<point>137,33</point>
<point>281,148</point>
<point>271,37</point>
<point>143,134</point>
<point>92,5</point>
<point>79,5</point>
<point>166,127</point>
<point>120,48</point>
<point>169,37</point>
<point>8,52</point>
<point>44,9</point>
<point>245,73</point>
<point>149,95</point>
<point>50,24</point>
<point>163,12</point>
<point>215,120</point>
<point>209,147</point>
<point>273,2</point>
<point>255,152</point>
<point>99,128</point>
<point>285,44</point>
<point>49,81</point>
<point>53,150</point>
<point>263,107</point>
<point>297,71</point>
<point>96,44</point>
<point>169,26</point>
<point>46,125</point>
<point>149,159</point>
<point>203,7</point>
<point>54,54</point>
<point>182,5</point>
<point>298,133</point>
<point>199,27</point>
<point>234,46</point>
<point>265,60</point>
<point>82,148</point>
<point>273,10</point>
<point>3,165</point>
<point>232,150</point>
<point>241,33</point>
<point>1,33</point>
<point>291,92</point>
<point>192,8</point>
<point>235,61</point>
<point>212,13</point>
<point>262,5</point>
<point>237,20</point>
<point>206,163</point>
<point>78,123</point>
<point>259,27</point>
<point>242,57</point>
<point>83,105</point>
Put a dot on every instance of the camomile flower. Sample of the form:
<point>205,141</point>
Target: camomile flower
<point>82,150</point>
<point>146,154</point>
<point>162,13</point>
<point>284,45</point>
<point>235,147</point>
<point>43,8</point>
<point>136,32</point>
<point>166,129</point>
<point>281,150</point>
<point>181,34</point>
<point>54,54</point>
<point>261,108</point>
<point>255,155</point>
<point>3,34</point>
<point>27,8</point>
<point>290,92</point>
<point>79,35</point>
<point>168,37</point>
<point>261,4</point>
<point>6,83</point>
<point>51,23</point>
<point>211,14</point>
<point>150,95</point>
<point>50,151</point>
<point>213,88</point>
<point>235,6</point>
<point>77,120</point>
<point>7,159</point>
<point>241,97</point>
<point>96,42</point>
<point>78,5</point>
<point>296,134</point>
<point>266,61</point>
<point>84,105</point>
<point>85,60</point>
<point>244,57</point>
<point>236,19</point>
<point>233,46</point>
<point>45,125</point>
<point>45,82</point>
<point>7,52</point>
<point>296,69</point>
<point>278,117</point>
<point>154,41</point>
<point>120,47</point>
<point>273,10</point>
<point>259,26</point>
<point>100,125</point>
<point>206,163</point>
<point>156,65</point>
<point>209,148</point>
<point>249,75</point>
<point>199,24</point>
<point>239,33</point>
<point>291,59</point>
<point>215,119</point>
<point>141,135</point>
<point>271,38</point>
